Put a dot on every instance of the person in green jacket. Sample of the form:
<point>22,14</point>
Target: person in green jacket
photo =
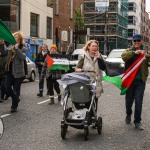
<point>137,88</point>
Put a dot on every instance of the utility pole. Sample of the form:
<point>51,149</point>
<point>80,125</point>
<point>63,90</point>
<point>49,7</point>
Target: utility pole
<point>105,36</point>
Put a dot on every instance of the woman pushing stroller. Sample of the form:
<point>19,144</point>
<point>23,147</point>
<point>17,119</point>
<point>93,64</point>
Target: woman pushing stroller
<point>92,61</point>
<point>83,88</point>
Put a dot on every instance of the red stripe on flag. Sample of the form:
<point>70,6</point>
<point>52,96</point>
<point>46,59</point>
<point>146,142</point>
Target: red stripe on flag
<point>128,81</point>
<point>50,61</point>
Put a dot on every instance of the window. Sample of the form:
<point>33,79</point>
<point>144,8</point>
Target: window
<point>34,25</point>
<point>49,27</point>
<point>10,16</point>
<point>71,9</point>
<point>132,7</point>
<point>131,20</point>
<point>131,32</point>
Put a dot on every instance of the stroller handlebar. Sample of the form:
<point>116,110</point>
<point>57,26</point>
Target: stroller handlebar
<point>88,71</point>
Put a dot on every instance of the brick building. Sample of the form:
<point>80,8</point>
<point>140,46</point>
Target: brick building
<point>63,22</point>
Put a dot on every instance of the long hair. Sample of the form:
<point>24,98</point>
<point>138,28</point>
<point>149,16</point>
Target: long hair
<point>88,43</point>
<point>20,37</point>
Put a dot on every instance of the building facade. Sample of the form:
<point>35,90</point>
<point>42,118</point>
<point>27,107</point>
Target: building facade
<point>108,26</point>
<point>33,18</point>
<point>138,21</point>
<point>134,19</point>
<point>64,22</point>
<point>144,30</point>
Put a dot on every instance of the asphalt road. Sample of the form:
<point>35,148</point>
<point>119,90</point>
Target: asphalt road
<point>36,125</point>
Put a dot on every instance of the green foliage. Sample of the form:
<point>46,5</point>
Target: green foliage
<point>79,19</point>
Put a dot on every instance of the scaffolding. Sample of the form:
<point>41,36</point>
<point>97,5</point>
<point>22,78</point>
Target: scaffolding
<point>116,19</point>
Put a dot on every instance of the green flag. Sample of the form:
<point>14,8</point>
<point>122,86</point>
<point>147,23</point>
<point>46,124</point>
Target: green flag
<point>114,80</point>
<point>5,34</point>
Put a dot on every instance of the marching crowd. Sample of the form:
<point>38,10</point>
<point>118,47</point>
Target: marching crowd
<point>13,70</point>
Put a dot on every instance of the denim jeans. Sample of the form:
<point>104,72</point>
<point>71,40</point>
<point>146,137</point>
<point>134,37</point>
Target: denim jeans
<point>135,93</point>
<point>13,87</point>
<point>41,85</point>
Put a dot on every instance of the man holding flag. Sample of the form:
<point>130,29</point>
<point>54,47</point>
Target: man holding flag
<point>137,62</point>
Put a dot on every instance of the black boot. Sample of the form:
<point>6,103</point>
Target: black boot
<point>48,93</point>
<point>59,97</point>
<point>13,110</point>
<point>6,97</point>
<point>40,94</point>
<point>1,100</point>
<point>51,101</point>
<point>128,119</point>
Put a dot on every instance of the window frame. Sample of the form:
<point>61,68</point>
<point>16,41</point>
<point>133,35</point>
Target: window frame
<point>49,36</point>
<point>37,25</point>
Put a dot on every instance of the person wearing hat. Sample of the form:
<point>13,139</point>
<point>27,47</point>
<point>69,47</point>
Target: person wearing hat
<point>136,91</point>
<point>51,77</point>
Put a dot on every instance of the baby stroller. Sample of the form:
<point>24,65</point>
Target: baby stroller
<point>82,112</point>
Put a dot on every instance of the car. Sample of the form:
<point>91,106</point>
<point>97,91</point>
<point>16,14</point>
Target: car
<point>76,56</point>
<point>114,64</point>
<point>31,67</point>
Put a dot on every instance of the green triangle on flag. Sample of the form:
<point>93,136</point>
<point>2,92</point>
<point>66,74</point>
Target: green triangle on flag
<point>5,34</point>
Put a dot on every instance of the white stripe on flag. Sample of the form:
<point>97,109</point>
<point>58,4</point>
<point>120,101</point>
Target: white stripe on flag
<point>61,61</point>
<point>133,69</point>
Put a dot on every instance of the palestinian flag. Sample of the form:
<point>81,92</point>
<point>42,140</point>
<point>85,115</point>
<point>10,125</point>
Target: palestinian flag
<point>57,64</point>
<point>5,34</point>
<point>124,81</point>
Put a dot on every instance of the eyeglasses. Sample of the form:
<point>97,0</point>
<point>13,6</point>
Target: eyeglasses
<point>137,40</point>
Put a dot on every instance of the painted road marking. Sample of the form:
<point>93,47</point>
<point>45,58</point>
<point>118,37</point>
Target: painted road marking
<point>45,101</point>
<point>3,116</point>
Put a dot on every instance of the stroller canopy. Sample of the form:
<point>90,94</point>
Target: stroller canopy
<point>71,78</point>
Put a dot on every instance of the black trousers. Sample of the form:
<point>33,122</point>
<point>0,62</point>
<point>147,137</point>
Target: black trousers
<point>135,93</point>
<point>2,88</point>
<point>53,85</point>
<point>13,87</point>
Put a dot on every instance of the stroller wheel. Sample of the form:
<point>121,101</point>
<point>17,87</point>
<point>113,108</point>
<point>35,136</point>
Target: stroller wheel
<point>86,133</point>
<point>63,131</point>
<point>99,125</point>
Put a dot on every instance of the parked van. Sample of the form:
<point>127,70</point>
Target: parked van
<point>114,64</point>
<point>76,56</point>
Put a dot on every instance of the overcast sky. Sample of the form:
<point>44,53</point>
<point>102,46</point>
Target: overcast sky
<point>148,5</point>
